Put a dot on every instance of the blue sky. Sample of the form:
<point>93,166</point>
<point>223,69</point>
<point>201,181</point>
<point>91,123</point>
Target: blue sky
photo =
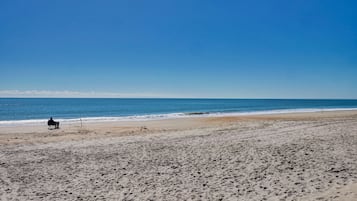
<point>184,48</point>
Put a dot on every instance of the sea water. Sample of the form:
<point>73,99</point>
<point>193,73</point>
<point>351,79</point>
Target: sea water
<point>37,110</point>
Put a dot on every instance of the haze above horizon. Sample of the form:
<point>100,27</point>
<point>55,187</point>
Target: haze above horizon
<point>179,49</point>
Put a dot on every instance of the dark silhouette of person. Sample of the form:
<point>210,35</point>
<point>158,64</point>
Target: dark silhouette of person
<point>51,122</point>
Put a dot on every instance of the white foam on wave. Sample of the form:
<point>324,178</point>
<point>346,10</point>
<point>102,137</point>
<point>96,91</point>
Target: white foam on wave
<point>94,119</point>
<point>23,122</point>
<point>282,111</point>
<point>166,116</point>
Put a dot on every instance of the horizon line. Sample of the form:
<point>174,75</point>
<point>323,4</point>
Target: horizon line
<point>140,95</point>
<point>218,98</point>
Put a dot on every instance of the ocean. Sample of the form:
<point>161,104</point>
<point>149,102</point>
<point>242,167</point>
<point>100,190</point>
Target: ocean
<point>15,111</point>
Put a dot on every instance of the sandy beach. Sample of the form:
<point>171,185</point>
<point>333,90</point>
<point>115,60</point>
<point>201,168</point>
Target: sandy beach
<point>302,156</point>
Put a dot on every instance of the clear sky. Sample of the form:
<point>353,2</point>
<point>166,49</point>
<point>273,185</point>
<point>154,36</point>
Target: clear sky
<point>183,48</point>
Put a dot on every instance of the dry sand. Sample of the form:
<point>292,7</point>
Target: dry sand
<point>309,156</point>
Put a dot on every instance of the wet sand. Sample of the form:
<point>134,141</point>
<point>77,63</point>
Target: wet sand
<point>305,156</point>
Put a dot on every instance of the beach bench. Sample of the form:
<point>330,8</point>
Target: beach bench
<point>53,125</point>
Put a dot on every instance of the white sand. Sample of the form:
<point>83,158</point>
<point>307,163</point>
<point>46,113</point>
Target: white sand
<point>310,156</point>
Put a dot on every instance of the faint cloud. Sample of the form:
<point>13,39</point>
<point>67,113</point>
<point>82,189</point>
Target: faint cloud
<point>76,94</point>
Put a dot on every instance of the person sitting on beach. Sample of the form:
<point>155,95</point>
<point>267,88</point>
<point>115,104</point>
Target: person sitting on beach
<point>51,122</point>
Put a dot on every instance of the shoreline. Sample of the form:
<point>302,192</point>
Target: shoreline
<point>94,130</point>
<point>156,117</point>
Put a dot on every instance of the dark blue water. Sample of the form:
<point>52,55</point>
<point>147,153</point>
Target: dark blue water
<point>43,108</point>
